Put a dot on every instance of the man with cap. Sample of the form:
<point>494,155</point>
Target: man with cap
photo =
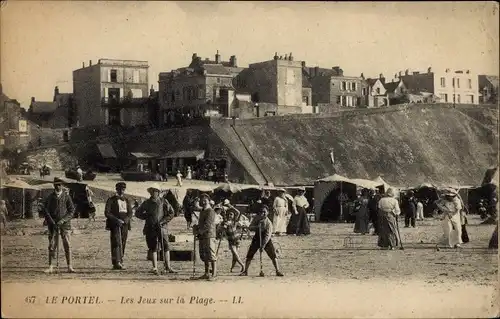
<point>451,207</point>
<point>118,212</point>
<point>58,210</point>
<point>157,212</point>
<point>206,233</point>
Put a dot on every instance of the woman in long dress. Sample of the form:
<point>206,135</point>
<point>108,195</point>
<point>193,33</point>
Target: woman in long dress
<point>361,226</point>
<point>299,224</point>
<point>450,206</point>
<point>388,211</point>
<point>280,207</point>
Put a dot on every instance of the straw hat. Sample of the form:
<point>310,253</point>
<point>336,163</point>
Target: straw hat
<point>449,192</point>
<point>302,188</point>
<point>153,187</point>
<point>226,202</point>
<point>281,190</point>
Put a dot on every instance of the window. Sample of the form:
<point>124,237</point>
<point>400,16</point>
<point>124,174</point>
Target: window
<point>442,97</point>
<point>354,101</point>
<point>344,86</point>
<point>458,98</point>
<point>353,86</point>
<point>136,76</point>
<point>218,80</point>
<point>378,90</point>
<point>305,99</point>
<point>443,82</point>
<point>342,100</point>
<point>363,91</point>
<point>453,82</point>
<point>200,93</point>
<point>470,83</point>
<point>339,100</point>
<point>458,83</point>
<point>113,76</point>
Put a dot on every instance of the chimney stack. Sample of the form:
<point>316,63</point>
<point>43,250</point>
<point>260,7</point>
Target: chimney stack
<point>232,61</point>
<point>316,70</point>
<point>90,62</point>
<point>303,64</point>
<point>290,57</point>
<point>194,57</point>
<point>362,76</point>
<point>217,57</point>
<point>83,64</point>
<point>56,93</point>
<point>286,56</point>
<point>407,72</point>
<point>382,78</point>
<point>151,91</point>
<point>275,56</point>
<point>32,99</point>
<point>429,70</point>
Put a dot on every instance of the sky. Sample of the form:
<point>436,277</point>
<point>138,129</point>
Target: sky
<point>43,42</point>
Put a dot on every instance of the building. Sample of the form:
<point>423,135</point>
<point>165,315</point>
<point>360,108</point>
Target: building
<point>203,88</point>
<point>14,128</point>
<point>377,93</point>
<point>488,89</point>
<point>396,91</point>
<point>331,89</point>
<point>278,81</point>
<point>457,87</point>
<point>111,92</point>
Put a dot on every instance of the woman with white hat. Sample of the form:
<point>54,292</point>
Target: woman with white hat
<point>280,207</point>
<point>451,206</point>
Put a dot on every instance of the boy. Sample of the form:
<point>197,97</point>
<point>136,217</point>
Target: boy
<point>263,225</point>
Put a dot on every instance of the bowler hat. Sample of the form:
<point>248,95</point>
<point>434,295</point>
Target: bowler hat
<point>58,181</point>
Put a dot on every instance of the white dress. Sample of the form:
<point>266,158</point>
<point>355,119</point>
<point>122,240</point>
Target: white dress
<point>280,207</point>
<point>189,174</point>
<point>452,225</point>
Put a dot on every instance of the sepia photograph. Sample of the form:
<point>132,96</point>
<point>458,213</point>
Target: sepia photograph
<point>220,159</point>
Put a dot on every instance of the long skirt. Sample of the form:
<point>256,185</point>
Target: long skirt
<point>362,221</point>
<point>387,233</point>
<point>494,239</point>
<point>465,235</point>
<point>452,230</point>
<point>279,220</point>
<point>299,224</point>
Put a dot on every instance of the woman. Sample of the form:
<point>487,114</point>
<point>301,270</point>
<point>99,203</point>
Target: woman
<point>450,206</point>
<point>280,207</point>
<point>189,174</point>
<point>388,229</point>
<point>299,224</point>
<point>361,226</point>
<point>229,226</point>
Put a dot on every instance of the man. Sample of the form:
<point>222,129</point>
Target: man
<point>58,211</point>
<point>373,211</point>
<point>206,233</point>
<point>118,212</point>
<point>410,211</point>
<point>157,213</point>
<point>261,224</point>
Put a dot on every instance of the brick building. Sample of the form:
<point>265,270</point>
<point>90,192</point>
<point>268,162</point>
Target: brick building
<point>204,88</point>
<point>331,89</point>
<point>111,92</point>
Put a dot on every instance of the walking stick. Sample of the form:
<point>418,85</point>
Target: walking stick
<point>194,256</point>
<point>261,274</point>
<point>399,234</point>
<point>120,246</point>
<point>162,245</point>
<point>57,249</point>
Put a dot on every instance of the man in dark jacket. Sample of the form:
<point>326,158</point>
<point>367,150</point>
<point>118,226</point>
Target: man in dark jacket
<point>58,211</point>
<point>373,210</point>
<point>157,213</point>
<point>118,212</point>
<point>206,233</point>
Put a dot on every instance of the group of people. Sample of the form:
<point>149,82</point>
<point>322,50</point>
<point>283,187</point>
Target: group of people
<point>449,208</point>
<point>157,212</point>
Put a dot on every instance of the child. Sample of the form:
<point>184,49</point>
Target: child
<point>261,224</point>
<point>179,178</point>
<point>228,228</point>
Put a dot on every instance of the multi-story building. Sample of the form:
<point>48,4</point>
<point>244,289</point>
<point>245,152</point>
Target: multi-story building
<point>458,87</point>
<point>112,92</point>
<point>204,88</point>
<point>377,93</point>
<point>14,128</point>
<point>488,89</point>
<point>331,89</point>
<point>276,82</point>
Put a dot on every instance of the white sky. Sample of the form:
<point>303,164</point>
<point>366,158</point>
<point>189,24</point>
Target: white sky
<point>43,42</point>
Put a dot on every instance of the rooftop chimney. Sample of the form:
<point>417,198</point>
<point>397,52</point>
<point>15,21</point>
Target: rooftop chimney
<point>56,93</point>
<point>429,70</point>
<point>381,77</point>
<point>32,99</point>
<point>217,57</point>
<point>90,62</point>
<point>362,76</point>
<point>83,64</point>
<point>290,57</point>
<point>194,57</point>
<point>275,56</point>
<point>151,91</point>
<point>232,61</point>
<point>281,57</point>
<point>286,56</point>
<point>303,64</point>
<point>316,70</point>
<point>407,72</point>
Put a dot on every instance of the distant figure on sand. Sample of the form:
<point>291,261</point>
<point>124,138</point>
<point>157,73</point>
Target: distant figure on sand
<point>189,174</point>
<point>388,211</point>
<point>179,178</point>
<point>361,226</point>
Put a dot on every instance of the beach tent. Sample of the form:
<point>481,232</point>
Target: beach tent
<point>20,197</point>
<point>384,184</point>
<point>330,191</point>
<point>491,176</point>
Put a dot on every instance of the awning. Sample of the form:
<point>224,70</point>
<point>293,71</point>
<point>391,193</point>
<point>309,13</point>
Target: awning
<point>143,155</point>
<point>334,178</point>
<point>198,154</point>
<point>356,181</point>
<point>106,151</point>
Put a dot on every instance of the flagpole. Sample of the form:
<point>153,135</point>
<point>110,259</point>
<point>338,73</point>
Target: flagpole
<point>341,197</point>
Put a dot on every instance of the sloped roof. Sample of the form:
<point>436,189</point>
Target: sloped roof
<point>371,82</point>
<point>143,155</point>
<point>63,98</point>
<point>198,154</point>
<point>390,87</point>
<point>106,150</point>
<point>305,79</point>
<point>217,69</point>
<point>488,80</point>
<point>43,107</point>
